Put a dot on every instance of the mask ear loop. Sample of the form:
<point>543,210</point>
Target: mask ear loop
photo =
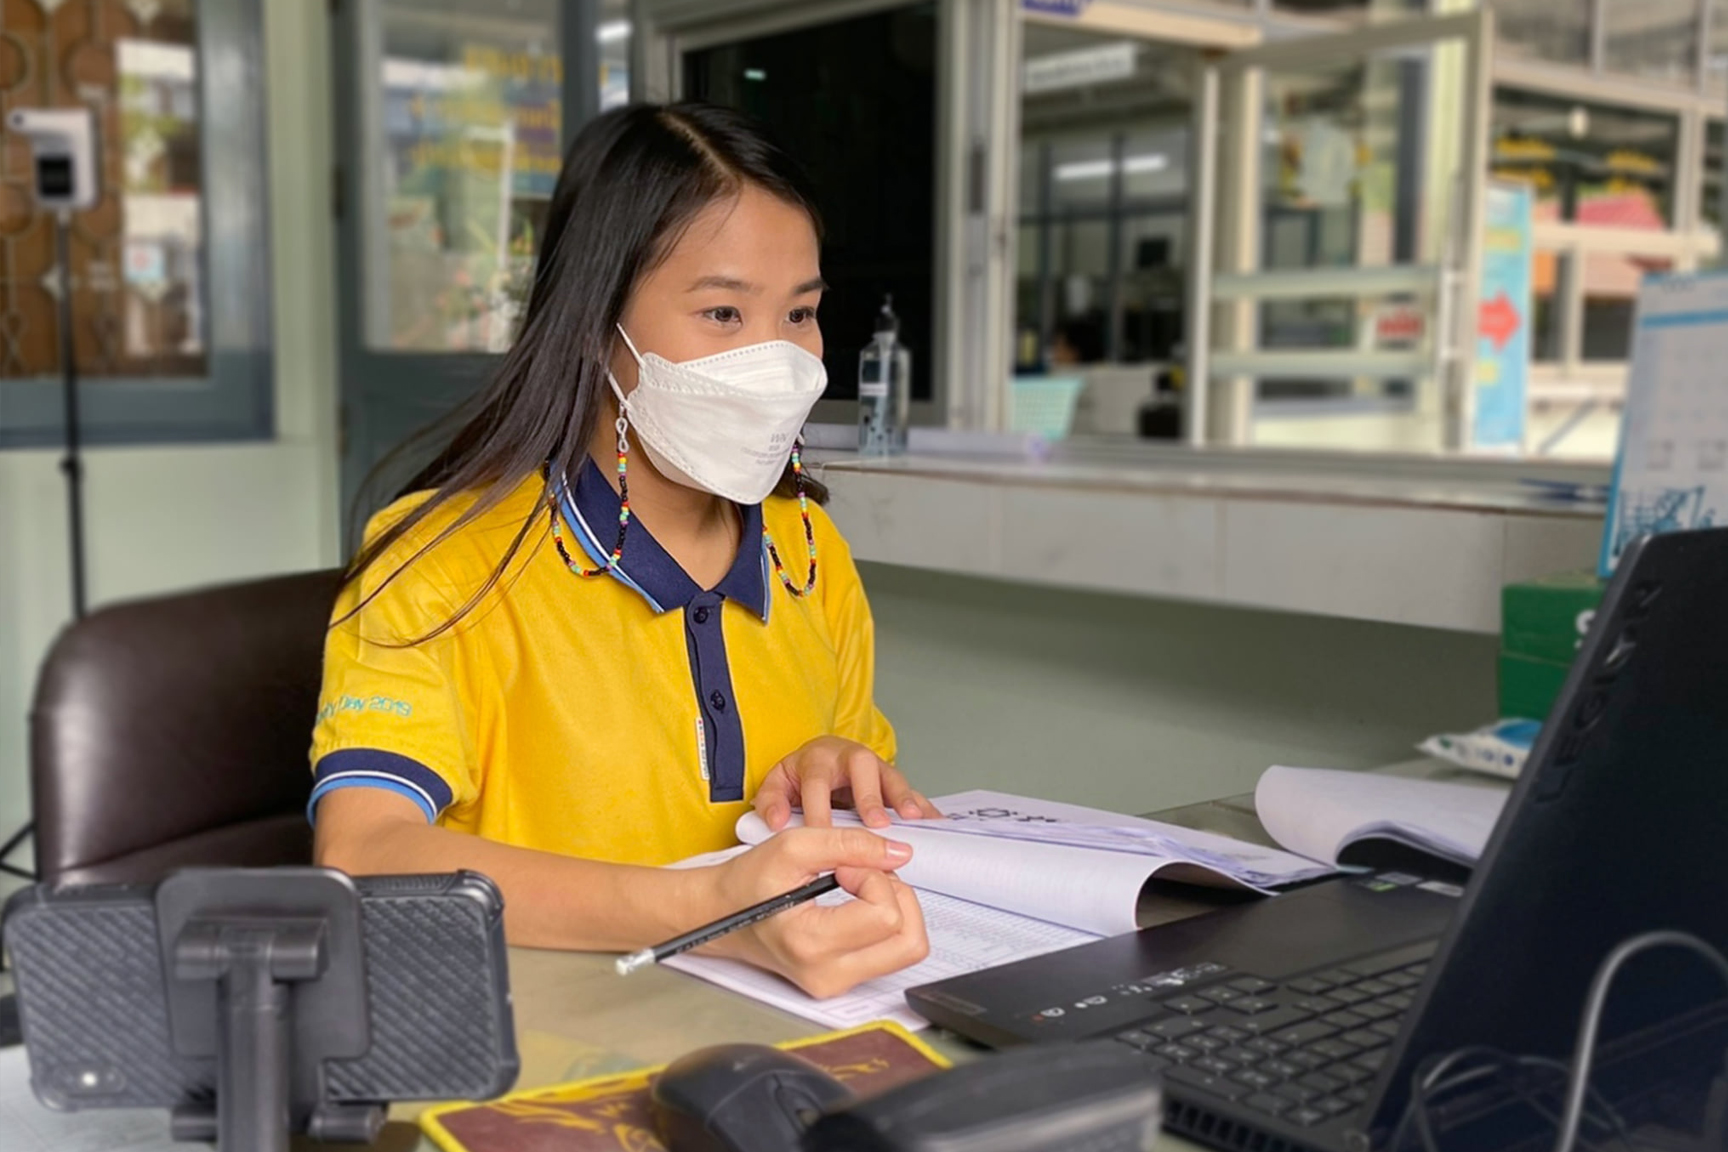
<point>809,532</point>
<point>612,561</point>
<point>630,344</point>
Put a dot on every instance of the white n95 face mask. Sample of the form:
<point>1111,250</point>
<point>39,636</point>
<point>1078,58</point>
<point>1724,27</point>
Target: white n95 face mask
<point>726,423</point>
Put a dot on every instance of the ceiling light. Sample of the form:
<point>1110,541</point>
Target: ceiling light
<point>1099,169</point>
<point>1085,170</point>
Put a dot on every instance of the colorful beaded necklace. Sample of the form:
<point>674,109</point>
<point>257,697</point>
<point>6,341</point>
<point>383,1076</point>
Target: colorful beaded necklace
<point>624,523</point>
<point>623,514</point>
<point>809,533</point>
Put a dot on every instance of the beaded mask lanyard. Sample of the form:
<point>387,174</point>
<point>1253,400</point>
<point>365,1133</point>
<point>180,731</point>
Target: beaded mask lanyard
<point>617,555</point>
<point>804,515</point>
<point>623,426</point>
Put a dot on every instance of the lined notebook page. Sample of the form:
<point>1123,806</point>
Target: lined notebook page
<point>964,937</point>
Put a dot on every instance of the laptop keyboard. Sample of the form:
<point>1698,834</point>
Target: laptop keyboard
<point>1303,1051</point>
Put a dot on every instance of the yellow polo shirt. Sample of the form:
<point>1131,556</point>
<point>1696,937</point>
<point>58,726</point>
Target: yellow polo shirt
<point>627,717</point>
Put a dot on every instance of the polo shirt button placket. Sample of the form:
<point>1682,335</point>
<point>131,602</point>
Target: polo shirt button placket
<point>721,725</point>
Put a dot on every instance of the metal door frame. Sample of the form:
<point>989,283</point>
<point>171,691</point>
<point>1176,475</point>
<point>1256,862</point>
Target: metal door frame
<point>1230,93</point>
<point>431,383</point>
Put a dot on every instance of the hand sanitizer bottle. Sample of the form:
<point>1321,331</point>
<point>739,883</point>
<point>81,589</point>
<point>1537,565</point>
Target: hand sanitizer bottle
<point>884,388</point>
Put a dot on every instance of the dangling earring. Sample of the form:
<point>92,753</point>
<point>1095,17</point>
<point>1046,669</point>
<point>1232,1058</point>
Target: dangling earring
<point>809,533</point>
<point>623,514</point>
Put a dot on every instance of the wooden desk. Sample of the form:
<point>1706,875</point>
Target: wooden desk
<point>576,1018</point>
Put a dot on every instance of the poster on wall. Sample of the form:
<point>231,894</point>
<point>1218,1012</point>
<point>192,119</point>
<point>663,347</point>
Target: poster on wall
<point>1501,374</point>
<point>1672,472</point>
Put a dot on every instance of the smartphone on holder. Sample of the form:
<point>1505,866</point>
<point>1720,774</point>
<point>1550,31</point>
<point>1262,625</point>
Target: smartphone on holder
<point>96,1008</point>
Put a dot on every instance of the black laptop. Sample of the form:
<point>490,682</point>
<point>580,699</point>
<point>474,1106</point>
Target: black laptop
<point>1297,1023</point>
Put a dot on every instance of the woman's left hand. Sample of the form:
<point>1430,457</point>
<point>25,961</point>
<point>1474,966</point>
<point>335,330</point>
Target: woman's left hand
<point>830,771</point>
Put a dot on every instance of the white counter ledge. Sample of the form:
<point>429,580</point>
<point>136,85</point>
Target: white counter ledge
<point>1430,544</point>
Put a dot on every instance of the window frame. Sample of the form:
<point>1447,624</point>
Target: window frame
<point>703,26</point>
<point>1688,242</point>
<point>235,399</point>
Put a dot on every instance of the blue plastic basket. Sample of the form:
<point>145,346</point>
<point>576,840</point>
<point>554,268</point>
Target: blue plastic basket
<point>1044,405</point>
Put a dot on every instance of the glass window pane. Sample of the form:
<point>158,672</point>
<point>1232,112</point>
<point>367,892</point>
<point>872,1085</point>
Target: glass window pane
<point>1713,161</point>
<point>1353,10</point>
<point>1080,271</point>
<point>1155,166</point>
<point>1101,259</point>
<point>855,101</point>
<point>1548,276</point>
<point>1610,296</point>
<point>1358,8</point>
<point>1033,161</point>
<point>1344,187</point>
<point>1337,169</point>
<point>1590,164</point>
<point>1082,172</point>
<point>470,104</point>
<point>1718,58</point>
<point>1073,291</point>
<point>1315,323</point>
<point>1655,39</point>
<point>614,32</point>
<point>1556,30</point>
<point>1344,415</point>
<point>137,256</point>
<point>1029,289</point>
<point>1154,246</point>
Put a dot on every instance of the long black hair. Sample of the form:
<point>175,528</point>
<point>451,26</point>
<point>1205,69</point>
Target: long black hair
<point>633,180</point>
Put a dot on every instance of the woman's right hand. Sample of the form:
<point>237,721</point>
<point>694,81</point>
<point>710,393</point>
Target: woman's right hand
<point>824,949</point>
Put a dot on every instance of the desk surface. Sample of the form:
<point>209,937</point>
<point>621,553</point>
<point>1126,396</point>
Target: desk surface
<point>576,1018</point>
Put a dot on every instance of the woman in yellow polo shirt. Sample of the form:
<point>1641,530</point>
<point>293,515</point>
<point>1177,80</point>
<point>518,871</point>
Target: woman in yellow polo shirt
<point>612,614</point>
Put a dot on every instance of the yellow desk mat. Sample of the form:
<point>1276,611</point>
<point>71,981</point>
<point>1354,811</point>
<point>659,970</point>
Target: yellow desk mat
<point>610,1113</point>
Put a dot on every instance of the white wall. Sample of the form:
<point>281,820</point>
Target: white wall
<point>162,518</point>
<point>1135,704</point>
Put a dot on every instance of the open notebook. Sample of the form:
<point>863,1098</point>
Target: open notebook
<point>1337,817</point>
<point>1007,877</point>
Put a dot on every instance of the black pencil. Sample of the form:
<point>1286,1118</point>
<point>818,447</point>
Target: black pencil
<point>711,932</point>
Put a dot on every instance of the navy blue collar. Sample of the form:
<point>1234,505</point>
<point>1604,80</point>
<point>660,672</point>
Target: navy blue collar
<point>646,568</point>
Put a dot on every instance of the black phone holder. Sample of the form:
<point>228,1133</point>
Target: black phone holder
<point>266,973</point>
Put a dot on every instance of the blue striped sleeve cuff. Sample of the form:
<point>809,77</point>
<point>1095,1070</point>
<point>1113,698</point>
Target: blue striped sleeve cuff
<point>373,768</point>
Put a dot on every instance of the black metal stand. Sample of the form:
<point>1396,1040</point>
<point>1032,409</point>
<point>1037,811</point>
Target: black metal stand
<point>268,976</point>
<point>10,847</point>
<point>72,463</point>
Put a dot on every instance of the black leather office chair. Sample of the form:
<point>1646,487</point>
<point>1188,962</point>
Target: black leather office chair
<point>175,731</point>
